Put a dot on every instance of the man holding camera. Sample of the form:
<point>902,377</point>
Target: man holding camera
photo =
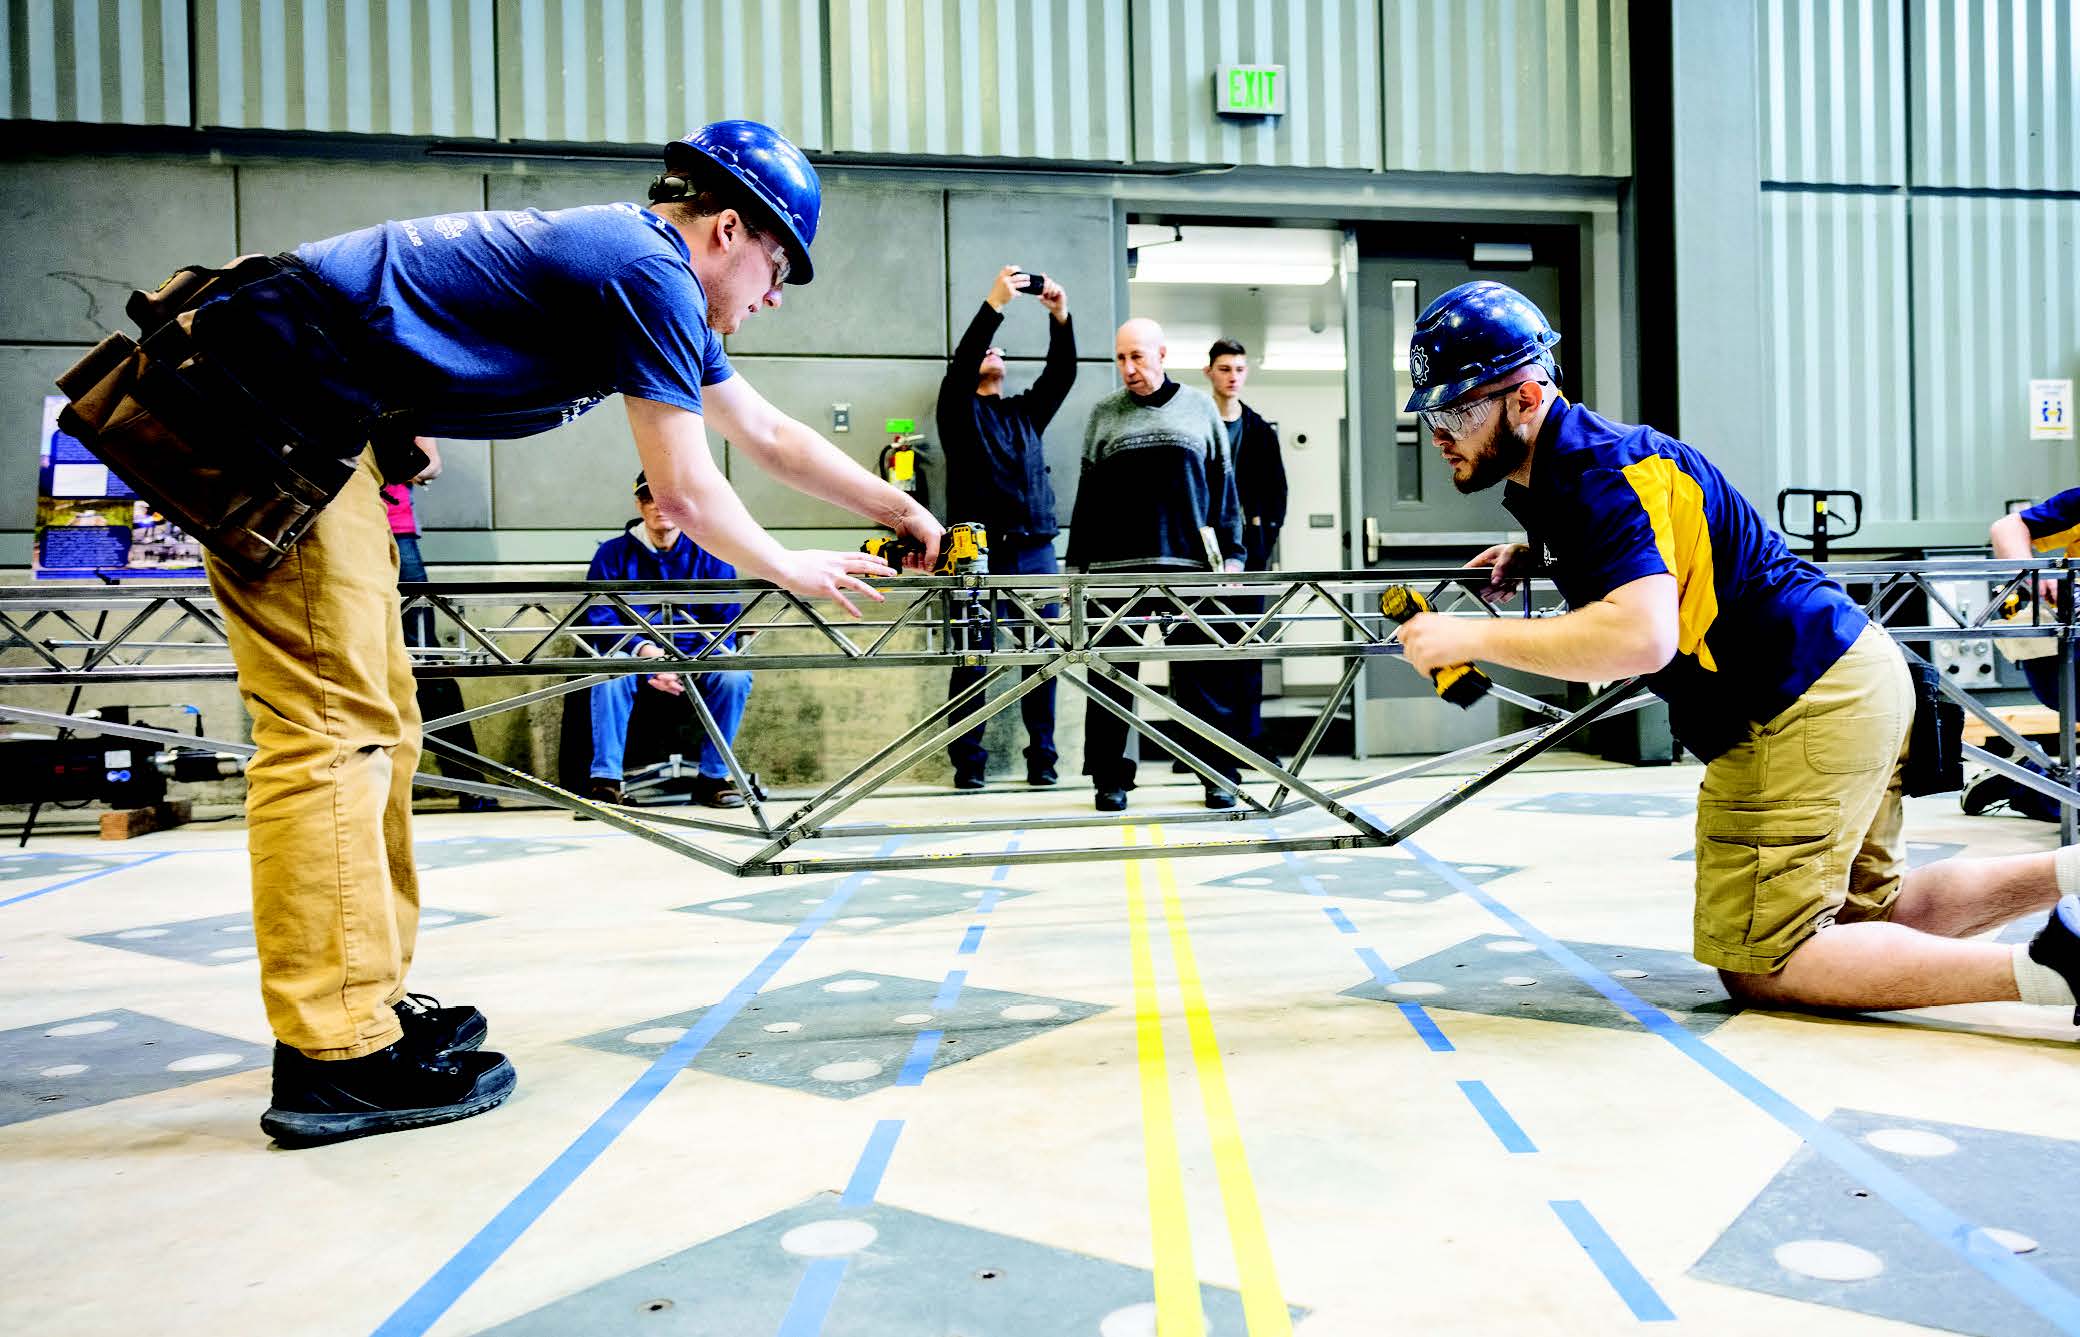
<point>996,472</point>
<point>496,324</point>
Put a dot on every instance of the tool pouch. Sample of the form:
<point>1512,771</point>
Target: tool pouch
<point>170,419</point>
<point>1935,745</point>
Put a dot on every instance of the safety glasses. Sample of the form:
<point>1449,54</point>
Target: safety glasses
<point>1458,419</point>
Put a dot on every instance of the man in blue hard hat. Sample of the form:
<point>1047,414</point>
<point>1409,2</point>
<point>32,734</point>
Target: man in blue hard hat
<point>493,324</point>
<point>1798,704</point>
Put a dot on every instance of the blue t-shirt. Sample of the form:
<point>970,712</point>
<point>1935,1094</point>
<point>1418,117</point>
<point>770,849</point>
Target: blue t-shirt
<point>513,321</point>
<point>2054,524</point>
<point>1611,503</point>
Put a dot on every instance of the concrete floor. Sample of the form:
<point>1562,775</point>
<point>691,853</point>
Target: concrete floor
<point>1386,1091</point>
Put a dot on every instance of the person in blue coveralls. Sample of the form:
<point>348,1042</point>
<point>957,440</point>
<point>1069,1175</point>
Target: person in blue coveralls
<point>652,548</point>
<point>1797,703</point>
<point>492,324</point>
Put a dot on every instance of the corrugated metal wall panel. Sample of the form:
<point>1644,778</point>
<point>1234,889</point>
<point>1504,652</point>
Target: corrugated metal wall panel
<point>980,78</point>
<point>1330,49</point>
<point>1996,307</point>
<point>1837,346</point>
<point>644,71</point>
<point>122,63</point>
<point>385,67</point>
<point>1996,95</point>
<point>1833,95</point>
<point>1516,86</point>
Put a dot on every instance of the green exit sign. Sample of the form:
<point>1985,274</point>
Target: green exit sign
<point>900,425</point>
<point>1249,90</point>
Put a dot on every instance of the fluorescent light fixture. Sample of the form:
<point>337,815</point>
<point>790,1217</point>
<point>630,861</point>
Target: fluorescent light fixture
<point>1502,253</point>
<point>1245,256</point>
<point>1297,348</point>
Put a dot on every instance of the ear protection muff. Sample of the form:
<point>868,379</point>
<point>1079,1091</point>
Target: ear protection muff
<point>669,187</point>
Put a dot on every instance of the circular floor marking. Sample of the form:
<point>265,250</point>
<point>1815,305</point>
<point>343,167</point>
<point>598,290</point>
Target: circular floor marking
<point>1512,945</point>
<point>847,1070</point>
<point>1403,895</point>
<point>812,900</point>
<point>80,1028</point>
<point>851,986</point>
<point>75,1069</point>
<point>235,953</point>
<point>731,905</point>
<point>1910,1142</point>
<point>1628,974</point>
<point>129,934</point>
<point>913,1019</point>
<point>859,921</point>
<point>972,895</point>
<point>655,1035</point>
<point>782,1027</point>
<point>236,928</point>
<point>904,896</point>
<point>2014,1241</point>
<point>828,1239</point>
<point>1252,881</point>
<point>1132,1321</point>
<point>435,920</point>
<point>1030,1012</point>
<point>202,1063</point>
<point>1520,981</point>
<point>1476,869</point>
<point>1413,989</point>
<point>1828,1260</point>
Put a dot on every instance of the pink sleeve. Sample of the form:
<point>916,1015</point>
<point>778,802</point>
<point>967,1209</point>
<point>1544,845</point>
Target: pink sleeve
<point>398,500</point>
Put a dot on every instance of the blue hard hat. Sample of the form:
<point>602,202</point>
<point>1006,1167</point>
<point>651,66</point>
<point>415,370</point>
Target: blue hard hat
<point>786,196</point>
<point>1470,336</point>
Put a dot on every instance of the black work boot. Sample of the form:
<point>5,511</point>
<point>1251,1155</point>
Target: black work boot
<point>436,1029</point>
<point>2057,945</point>
<point>318,1101</point>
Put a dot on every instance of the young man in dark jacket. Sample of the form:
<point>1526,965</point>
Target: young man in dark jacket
<point>996,473</point>
<point>654,548</point>
<point>1260,486</point>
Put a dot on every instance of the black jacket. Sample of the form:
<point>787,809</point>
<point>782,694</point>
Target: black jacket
<point>996,470</point>
<point>1260,479</point>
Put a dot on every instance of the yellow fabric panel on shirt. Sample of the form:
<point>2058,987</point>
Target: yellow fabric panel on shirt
<point>2067,539</point>
<point>1674,503</point>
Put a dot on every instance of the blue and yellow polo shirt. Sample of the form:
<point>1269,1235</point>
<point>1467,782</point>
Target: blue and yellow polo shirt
<point>1610,503</point>
<point>2054,524</point>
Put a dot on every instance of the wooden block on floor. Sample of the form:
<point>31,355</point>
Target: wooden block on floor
<point>124,823</point>
<point>2026,720</point>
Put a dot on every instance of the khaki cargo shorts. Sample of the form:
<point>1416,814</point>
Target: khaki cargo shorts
<point>1798,826</point>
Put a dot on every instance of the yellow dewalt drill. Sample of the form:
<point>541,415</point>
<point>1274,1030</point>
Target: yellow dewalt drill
<point>963,551</point>
<point>1460,684</point>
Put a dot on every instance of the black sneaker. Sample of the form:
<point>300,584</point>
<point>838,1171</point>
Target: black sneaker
<point>2057,945</point>
<point>439,1030</point>
<point>968,780</point>
<point>400,1087</point>
<point>1040,777</point>
<point>1112,800</point>
<point>1219,798</point>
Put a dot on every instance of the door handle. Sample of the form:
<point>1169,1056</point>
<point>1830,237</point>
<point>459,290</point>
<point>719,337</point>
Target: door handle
<point>1371,540</point>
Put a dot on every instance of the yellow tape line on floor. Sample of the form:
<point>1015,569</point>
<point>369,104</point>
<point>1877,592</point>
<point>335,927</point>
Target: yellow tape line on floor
<point>1263,1304</point>
<point>1178,1313</point>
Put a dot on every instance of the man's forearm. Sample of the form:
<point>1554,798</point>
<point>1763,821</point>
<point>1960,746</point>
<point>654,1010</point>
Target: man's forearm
<point>808,463</point>
<point>1596,643</point>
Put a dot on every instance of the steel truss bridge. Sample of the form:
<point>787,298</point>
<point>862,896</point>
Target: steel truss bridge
<point>1078,630</point>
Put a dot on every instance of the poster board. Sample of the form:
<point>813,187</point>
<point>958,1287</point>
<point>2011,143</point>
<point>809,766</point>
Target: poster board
<point>90,525</point>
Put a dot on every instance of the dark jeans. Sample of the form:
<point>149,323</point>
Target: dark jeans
<point>968,755</point>
<point>1204,689</point>
<point>437,696</point>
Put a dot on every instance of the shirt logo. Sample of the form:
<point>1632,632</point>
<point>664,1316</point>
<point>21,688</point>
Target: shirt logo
<point>451,226</point>
<point>1419,366</point>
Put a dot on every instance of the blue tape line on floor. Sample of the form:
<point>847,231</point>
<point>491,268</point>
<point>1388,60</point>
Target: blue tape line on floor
<point>88,877</point>
<point>970,941</point>
<point>812,1299</point>
<point>920,1060</point>
<point>989,900</point>
<point>1506,1128</point>
<point>1420,1019</point>
<point>1338,918</point>
<point>2025,1282</point>
<point>425,1305</point>
<point>950,991</point>
<point>873,1163</point>
<point>1641,1298</point>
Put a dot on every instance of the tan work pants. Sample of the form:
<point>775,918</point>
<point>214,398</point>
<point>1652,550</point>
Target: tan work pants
<point>325,675</point>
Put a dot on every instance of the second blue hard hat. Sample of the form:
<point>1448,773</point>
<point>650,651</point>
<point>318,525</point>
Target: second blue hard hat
<point>1470,336</point>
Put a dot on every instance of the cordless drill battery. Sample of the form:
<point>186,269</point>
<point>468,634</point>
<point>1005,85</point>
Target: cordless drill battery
<point>1460,684</point>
